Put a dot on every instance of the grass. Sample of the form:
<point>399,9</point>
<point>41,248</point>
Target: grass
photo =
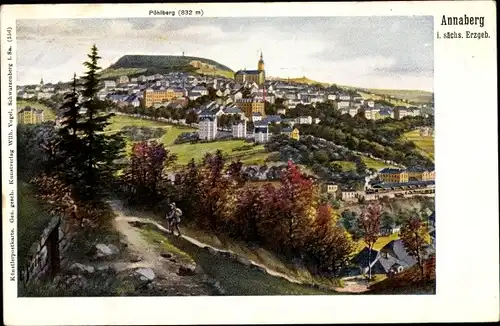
<point>374,164</point>
<point>113,73</point>
<point>188,151</point>
<point>172,133</point>
<point>49,114</point>
<point>424,144</point>
<point>346,165</point>
<point>32,219</point>
<point>368,96</point>
<point>255,159</point>
<point>237,279</point>
<point>120,121</point>
<point>381,242</point>
<point>161,241</point>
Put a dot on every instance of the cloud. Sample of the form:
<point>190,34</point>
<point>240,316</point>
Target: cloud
<point>336,49</point>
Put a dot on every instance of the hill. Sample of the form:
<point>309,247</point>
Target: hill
<point>133,65</point>
<point>301,80</point>
<point>415,96</point>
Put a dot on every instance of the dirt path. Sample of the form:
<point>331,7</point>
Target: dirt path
<point>141,247</point>
<point>165,269</point>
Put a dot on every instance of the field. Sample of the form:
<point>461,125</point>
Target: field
<point>346,165</point>
<point>424,144</point>
<point>49,114</point>
<point>381,242</point>
<point>120,121</point>
<point>374,164</point>
<point>188,151</point>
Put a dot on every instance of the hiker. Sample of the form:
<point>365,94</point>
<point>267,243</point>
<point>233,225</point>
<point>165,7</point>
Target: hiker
<point>174,219</point>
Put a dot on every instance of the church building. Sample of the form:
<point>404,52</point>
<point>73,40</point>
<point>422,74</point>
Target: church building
<point>252,76</point>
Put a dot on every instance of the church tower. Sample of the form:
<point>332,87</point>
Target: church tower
<point>260,65</point>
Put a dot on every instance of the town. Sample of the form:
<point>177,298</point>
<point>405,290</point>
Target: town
<point>353,144</point>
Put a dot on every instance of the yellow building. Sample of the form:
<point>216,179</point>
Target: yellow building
<point>419,174</point>
<point>393,175</point>
<point>156,96</point>
<point>292,133</point>
<point>250,106</point>
<point>252,76</point>
<point>30,115</point>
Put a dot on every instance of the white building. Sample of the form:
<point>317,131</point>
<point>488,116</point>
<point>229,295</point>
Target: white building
<point>240,129</point>
<point>261,133</point>
<point>207,126</point>
<point>109,84</point>
<point>304,120</point>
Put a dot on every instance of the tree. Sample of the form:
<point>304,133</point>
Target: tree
<point>144,174</point>
<point>99,150</point>
<point>388,221</point>
<point>191,117</point>
<point>413,233</point>
<point>370,225</point>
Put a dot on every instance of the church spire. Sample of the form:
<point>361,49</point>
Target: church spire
<point>260,65</point>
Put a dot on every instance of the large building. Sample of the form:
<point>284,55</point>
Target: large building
<point>393,175</point>
<point>261,132</point>
<point>29,115</point>
<point>420,174</point>
<point>159,95</point>
<point>207,125</point>
<point>249,106</point>
<point>252,76</point>
<point>240,129</point>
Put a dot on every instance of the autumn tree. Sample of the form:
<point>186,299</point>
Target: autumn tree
<point>187,186</point>
<point>244,220</point>
<point>413,234</point>
<point>370,226</point>
<point>145,172</point>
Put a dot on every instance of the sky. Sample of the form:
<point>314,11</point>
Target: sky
<point>371,52</point>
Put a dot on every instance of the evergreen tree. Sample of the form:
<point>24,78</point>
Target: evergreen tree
<point>99,150</point>
<point>68,162</point>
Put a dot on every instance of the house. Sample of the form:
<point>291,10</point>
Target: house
<point>291,132</point>
<point>420,174</point>
<point>207,123</point>
<point>393,258</point>
<point>256,116</point>
<point>133,100</point>
<point>109,84</point>
<point>122,80</point>
<point>304,120</point>
<point>332,188</point>
<point>272,119</point>
<point>261,132</point>
<point>281,111</point>
<point>350,196</point>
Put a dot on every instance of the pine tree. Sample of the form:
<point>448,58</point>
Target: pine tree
<point>69,161</point>
<point>100,150</point>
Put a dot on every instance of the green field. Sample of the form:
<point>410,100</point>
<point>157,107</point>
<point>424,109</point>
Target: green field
<point>346,165</point>
<point>188,151</point>
<point>120,121</point>
<point>172,133</point>
<point>424,144</point>
<point>49,114</point>
<point>374,164</point>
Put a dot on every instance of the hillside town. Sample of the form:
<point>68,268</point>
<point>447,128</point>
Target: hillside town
<point>291,124</point>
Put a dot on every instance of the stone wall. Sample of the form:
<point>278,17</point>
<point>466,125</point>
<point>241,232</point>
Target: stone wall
<point>39,263</point>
